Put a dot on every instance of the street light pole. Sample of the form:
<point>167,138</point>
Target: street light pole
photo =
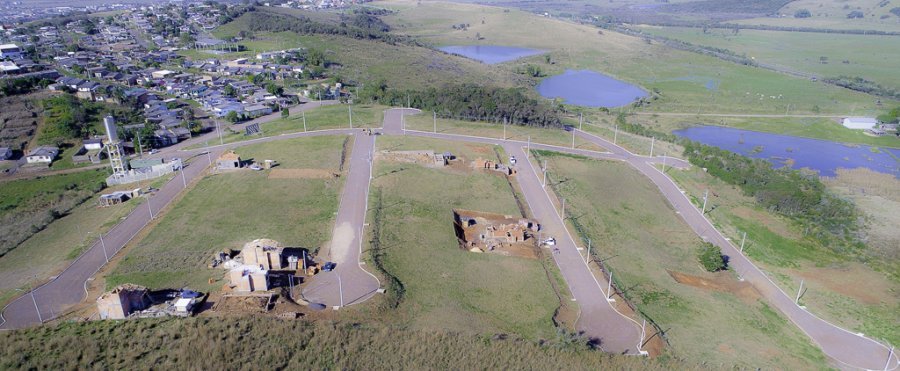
<point>705,197</point>
<point>183,179</point>
<point>149,207</point>
<point>350,110</point>
<point>434,115</point>
<point>304,121</point>
<point>616,134</point>
<point>103,244</point>
<point>340,288</point>
<point>588,257</point>
<point>742,241</point>
<point>652,141</point>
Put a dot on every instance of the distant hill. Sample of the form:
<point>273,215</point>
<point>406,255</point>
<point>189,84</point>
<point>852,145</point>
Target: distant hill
<point>742,7</point>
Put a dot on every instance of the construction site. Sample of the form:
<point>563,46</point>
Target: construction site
<point>482,232</point>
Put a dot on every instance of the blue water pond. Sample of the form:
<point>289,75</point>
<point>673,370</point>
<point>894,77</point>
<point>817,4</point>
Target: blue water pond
<point>820,155</point>
<point>491,54</point>
<point>589,89</point>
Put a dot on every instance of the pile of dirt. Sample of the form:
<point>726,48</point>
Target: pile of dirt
<point>302,174</point>
<point>721,281</point>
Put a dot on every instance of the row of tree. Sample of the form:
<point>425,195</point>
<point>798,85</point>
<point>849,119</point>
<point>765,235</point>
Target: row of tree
<point>470,102</point>
<point>866,86</point>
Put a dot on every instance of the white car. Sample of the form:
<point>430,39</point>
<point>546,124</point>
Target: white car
<point>154,151</point>
<point>550,241</point>
<point>512,160</point>
<point>255,167</point>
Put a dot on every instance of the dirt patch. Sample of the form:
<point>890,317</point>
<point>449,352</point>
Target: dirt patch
<point>302,174</point>
<point>853,281</point>
<point>721,281</point>
<point>241,304</point>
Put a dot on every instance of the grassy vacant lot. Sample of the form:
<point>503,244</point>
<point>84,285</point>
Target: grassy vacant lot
<point>679,76</point>
<point>224,344</point>
<point>861,297</point>
<point>321,118</point>
<point>868,56</point>
<point>633,228</point>
<point>447,288</point>
<point>27,206</point>
<point>558,137</point>
<point>50,250</point>
<point>226,210</point>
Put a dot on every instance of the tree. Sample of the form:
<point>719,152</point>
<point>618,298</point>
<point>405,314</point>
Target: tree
<point>274,89</point>
<point>285,112</point>
<point>232,117</point>
<point>802,13</point>
<point>711,257</point>
<point>855,14</point>
<point>230,91</point>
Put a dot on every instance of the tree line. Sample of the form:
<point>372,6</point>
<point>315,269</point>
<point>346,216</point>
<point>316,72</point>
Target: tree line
<point>470,102</point>
<point>360,26</point>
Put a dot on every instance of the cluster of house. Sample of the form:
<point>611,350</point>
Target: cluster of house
<point>43,155</point>
<point>319,4</point>
<point>871,126</point>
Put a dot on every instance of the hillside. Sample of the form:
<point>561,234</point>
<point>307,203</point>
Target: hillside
<point>242,343</point>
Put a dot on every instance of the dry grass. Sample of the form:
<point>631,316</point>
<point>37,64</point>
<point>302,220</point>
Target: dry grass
<point>254,343</point>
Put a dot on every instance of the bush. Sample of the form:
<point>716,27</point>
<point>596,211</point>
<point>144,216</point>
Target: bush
<point>802,13</point>
<point>711,258</point>
<point>855,14</point>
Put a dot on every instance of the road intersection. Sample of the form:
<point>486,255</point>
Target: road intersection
<point>599,319</point>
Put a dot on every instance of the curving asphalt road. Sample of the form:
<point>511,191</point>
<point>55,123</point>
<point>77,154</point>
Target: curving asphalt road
<point>348,283</point>
<point>617,333</point>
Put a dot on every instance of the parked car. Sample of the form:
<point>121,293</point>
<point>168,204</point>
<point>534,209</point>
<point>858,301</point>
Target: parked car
<point>329,266</point>
<point>550,241</point>
<point>154,151</point>
<point>512,160</point>
<point>255,167</point>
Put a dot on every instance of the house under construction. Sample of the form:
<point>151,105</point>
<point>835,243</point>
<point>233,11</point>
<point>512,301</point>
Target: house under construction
<point>483,232</point>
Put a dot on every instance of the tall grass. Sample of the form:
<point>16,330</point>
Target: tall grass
<point>266,343</point>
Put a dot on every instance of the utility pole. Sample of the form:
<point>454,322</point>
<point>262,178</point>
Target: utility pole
<point>304,121</point>
<point>183,180</point>
<point>573,138</point>
<point>544,182</point>
<point>799,292</point>
<point>209,157</point>
<point>149,207</point>
<point>140,147</point>
<point>580,120</point>
<point>504,129</point>
<point>340,288</point>
<point>588,257</point>
<point>408,104</point>
<point>742,241</point>
<point>616,134</point>
<point>705,197</point>
<point>609,288</point>
<point>562,211</point>
<point>221,141</point>
<point>350,110</point>
<point>652,141</point>
<point>528,148</point>
<point>103,245</point>
<point>664,161</point>
<point>434,117</point>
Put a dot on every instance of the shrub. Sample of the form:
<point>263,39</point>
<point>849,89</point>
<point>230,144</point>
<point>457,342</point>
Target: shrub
<point>711,258</point>
<point>802,13</point>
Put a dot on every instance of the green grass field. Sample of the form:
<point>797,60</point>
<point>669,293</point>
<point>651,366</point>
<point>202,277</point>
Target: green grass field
<point>832,14</point>
<point>867,56</point>
<point>779,247</point>
<point>226,210</point>
<point>633,228</point>
<point>674,73</point>
<point>447,288</point>
<point>320,118</point>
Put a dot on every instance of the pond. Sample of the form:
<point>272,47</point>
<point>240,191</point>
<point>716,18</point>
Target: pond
<point>491,54</point>
<point>820,155</point>
<point>589,89</point>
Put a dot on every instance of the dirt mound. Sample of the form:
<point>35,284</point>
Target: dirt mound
<point>302,174</point>
<point>721,281</point>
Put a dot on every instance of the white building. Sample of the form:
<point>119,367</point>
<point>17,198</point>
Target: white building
<point>859,122</point>
<point>43,154</point>
<point>10,51</point>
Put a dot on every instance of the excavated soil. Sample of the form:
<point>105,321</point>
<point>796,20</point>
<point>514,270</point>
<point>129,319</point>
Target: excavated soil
<point>721,281</point>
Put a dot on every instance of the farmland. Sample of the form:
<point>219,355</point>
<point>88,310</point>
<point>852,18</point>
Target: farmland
<point>646,246</point>
<point>680,77</point>
<point>866,56</point>
<point>446,288</point>
<point>226,210</point>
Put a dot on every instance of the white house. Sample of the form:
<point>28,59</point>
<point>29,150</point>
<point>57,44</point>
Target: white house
<point>859,122</point>
<point>42,154</point>
<point>10,51</point>
<point>257,110</point>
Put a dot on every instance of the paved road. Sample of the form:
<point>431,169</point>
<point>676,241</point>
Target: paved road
<point>849,349</point>
<point>349,283</point>
<point>68,288</point>
<point>598,319</point>
<point>749,115</point>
